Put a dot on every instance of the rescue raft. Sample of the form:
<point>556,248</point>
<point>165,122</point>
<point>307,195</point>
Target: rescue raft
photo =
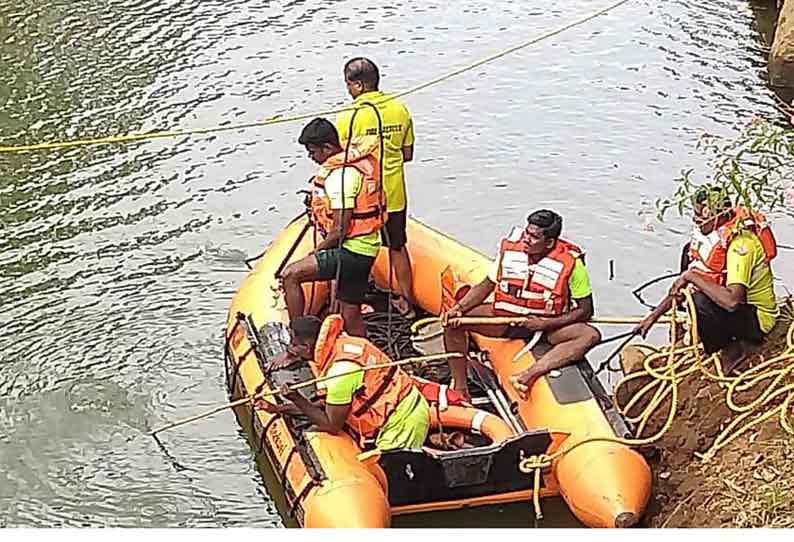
<point>328,481</point>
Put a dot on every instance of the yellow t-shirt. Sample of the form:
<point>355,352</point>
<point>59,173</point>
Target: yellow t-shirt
<point>398,131</point>
<point>368,244</point>
<point>406,427</point>
<point>747,266</point>
<point>578,282</point>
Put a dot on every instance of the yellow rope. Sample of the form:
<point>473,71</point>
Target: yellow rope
<point>764,406</point>
<point>279,119</point>
<point>690,360</point>
<point>681,362</point>
<point>534,464</point>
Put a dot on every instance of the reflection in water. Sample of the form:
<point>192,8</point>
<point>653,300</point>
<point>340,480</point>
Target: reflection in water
<point>117,263</point>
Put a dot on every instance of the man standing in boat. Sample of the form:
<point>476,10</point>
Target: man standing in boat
<point>727,263</point>
<point>381,404</point>
<point>391,117</point>
<point>348,208</point>
<point>537,276</point>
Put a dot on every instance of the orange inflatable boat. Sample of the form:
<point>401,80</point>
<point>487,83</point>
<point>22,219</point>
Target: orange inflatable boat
<point>328,481</point>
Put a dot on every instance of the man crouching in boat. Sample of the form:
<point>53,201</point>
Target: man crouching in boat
<point>727,263</point>
<point>348,208</point>
<point>382,404</point>
<point>541,277</point>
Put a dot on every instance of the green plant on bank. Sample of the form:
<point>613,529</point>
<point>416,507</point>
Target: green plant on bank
<point>774,497</point>
<point>755,170</point>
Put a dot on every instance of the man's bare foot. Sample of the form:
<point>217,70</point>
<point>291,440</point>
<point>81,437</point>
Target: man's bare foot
<point>404,308</point>
<point>522,382</point>
<point>734,354</point>
<point>731,356</point>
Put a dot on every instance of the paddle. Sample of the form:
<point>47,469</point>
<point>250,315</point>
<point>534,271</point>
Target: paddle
<point>517,320</point>
<point>292,249</point>
<point>294,387</point>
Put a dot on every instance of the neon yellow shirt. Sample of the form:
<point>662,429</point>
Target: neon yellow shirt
<point>406,427</point>
<point>578,282</point>
<point>398,131</point>
<point>747,266</point>
<point>369,244</point>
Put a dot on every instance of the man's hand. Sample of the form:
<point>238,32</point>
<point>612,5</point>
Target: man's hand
<point>267,406</point>
<point>282,361</point>
<point>286,391</point>
<point>449,318</point>
<point>645,326</point>
<point>681,282</point>
<point>533,323</point>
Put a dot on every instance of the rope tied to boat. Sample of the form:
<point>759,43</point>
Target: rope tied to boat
<point>534,465</point>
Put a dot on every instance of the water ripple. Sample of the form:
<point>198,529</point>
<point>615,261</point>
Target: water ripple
<point>117,262</point>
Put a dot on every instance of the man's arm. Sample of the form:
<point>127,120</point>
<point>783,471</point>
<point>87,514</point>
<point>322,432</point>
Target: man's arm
<point>342,220</point>
<point>288,409</point>
<point>341,186</point>
<point>648,322</point>
<point>473,298</point>
<point>331,419</point>
<point>408,139</point>
<point>727,297</point>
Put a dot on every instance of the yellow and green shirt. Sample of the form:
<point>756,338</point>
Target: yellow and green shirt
<point>407,426</point>
<point>746,265</point>
<point>398,131</point>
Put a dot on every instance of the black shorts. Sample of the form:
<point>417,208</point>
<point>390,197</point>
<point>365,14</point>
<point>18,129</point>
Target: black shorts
<point>519,332</point>
<point>353,273</point>
<point>718,327</point>
<point>395,228</point>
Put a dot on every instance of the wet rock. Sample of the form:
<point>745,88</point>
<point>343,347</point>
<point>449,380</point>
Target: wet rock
<point>781,56</point>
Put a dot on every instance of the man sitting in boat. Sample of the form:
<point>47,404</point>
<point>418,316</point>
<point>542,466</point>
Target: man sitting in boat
<point>348,208</point>
<point>727,262</point>
<point>382,404</point>
<point>542,278</point>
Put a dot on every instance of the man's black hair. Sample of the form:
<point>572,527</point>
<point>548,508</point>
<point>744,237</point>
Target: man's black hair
<point>713,197</point>
<point>306,328</point>
<point>549,221</point>
<point>319,132</point>
<point>364,71</point>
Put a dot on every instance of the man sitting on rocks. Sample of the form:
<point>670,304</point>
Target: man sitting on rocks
<point>727,264</point>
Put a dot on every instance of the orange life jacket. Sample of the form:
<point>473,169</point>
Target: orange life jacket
<point>533,288</point>
<point>369,213</point>
<point>382,389</point>
<point>708,254</point>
